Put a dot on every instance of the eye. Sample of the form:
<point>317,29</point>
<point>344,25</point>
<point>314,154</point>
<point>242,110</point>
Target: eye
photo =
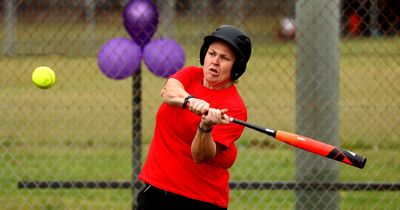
<point>226,58</point>
<point>212,53</point>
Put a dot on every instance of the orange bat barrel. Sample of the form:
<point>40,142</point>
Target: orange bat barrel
<point>322,149</point>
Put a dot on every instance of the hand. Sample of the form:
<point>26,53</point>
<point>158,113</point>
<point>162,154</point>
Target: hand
<point>214,117</point>
<point>198,106</point>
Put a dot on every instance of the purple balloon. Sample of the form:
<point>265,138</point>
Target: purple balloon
<point>163,57</point>
<point>119,58</point>
<point>140,19</point>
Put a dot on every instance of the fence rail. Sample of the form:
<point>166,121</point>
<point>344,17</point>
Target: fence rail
<point>348,186</point>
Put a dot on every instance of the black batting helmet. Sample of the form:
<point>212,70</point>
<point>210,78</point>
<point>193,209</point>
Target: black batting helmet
<point>239,42</point>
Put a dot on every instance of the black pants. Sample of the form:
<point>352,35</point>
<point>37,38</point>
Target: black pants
<point>152,198</point>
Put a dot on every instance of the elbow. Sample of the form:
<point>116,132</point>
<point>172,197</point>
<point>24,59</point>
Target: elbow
<point>168,97</point>
<point>165,97</point>
<point>164,94</point>
<point>199,160</point>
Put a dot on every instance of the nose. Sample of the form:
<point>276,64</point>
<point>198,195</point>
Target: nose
<point>215,60</point>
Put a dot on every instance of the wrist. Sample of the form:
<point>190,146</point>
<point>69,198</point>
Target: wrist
<point>186,100</point>
<point>204,128</point>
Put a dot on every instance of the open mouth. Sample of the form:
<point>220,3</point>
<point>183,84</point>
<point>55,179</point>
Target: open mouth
<point>213,71</point>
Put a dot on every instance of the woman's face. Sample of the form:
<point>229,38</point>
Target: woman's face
<point>218,64</point>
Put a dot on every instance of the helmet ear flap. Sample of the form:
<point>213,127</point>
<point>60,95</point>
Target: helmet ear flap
<point>203,51</point>
<point>238,69</point>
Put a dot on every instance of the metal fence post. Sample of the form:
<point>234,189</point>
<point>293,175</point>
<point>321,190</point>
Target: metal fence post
<point>90,17</point>
<point>9,26</point>
<point>317,97</point>
<point>136,132</point>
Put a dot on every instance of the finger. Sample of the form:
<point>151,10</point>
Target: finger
<point>198,107</point>
<point>190,105</point>
<point>201,108</point>
<point>205,108</point>
<point>218,114</point>
<point>225,118</point>
<point>203,116</point>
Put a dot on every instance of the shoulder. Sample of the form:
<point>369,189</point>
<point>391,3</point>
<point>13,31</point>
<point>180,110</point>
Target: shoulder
<point>188,75</point>
<point>187,71</point>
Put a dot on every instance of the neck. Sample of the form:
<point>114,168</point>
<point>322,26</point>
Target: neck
<point>217,86</point>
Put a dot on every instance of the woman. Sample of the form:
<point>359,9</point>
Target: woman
<point>193,143</point>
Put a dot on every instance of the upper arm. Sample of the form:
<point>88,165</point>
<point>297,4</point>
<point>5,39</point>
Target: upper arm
<point>173,82</point>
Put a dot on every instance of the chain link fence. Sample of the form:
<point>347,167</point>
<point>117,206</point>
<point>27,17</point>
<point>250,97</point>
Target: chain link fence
<point>324,69</point>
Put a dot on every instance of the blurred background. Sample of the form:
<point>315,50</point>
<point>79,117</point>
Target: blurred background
<point>326,69</point>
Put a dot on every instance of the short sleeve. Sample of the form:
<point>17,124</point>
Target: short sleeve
<point>187,75</point>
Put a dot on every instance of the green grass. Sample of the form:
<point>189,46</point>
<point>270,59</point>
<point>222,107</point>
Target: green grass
<point>81,128</point>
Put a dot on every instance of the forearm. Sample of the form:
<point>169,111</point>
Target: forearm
<point>173,92</point>
<point>203,146</point>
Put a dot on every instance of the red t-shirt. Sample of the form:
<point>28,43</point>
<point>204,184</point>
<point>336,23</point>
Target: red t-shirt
<point>169,165</point>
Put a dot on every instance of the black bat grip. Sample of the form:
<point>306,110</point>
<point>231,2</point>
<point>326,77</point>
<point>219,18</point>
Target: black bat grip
<point>270,132</point>
<point>357,160</point>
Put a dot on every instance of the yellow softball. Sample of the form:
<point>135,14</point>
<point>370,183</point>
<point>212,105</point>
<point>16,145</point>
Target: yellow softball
<point>43,77</point>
